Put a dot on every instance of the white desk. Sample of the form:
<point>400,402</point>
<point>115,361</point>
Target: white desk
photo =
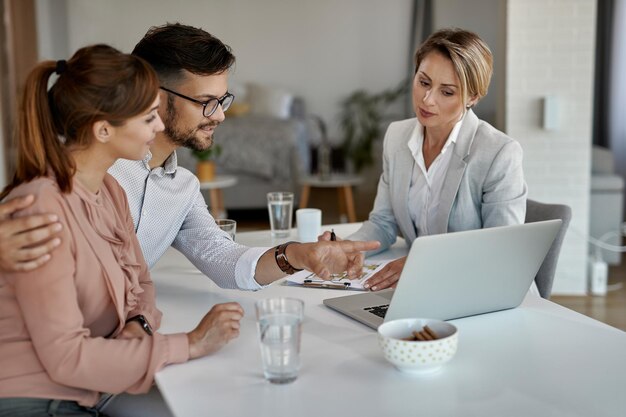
<point>536,360</point>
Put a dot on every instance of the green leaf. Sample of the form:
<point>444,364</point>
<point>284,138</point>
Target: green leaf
<point>208,154</point>
<point>360,119</point>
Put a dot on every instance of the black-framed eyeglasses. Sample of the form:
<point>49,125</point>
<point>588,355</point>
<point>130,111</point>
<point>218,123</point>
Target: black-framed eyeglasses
<point>209,106</point>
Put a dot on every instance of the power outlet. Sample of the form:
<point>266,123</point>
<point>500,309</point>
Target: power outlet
<point>598,277</point>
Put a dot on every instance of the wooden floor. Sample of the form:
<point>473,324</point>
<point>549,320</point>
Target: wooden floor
<point>611,308</point>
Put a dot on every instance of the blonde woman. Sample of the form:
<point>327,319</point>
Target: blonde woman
<point>445,170</point>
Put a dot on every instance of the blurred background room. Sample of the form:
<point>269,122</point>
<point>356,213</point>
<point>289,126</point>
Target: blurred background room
<point>317,83</point>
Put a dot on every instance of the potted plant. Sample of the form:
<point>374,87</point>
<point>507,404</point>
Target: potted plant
<point>205,167</point>
<point>360,120</point>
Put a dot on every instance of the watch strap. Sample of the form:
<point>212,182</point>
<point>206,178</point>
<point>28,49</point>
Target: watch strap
<point>141,319</point>
<point>281,259</point>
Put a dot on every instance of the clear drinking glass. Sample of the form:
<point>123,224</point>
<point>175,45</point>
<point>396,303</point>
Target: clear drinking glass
<point>280,208</point>
<point>227,225</point>
<point>279,322</point>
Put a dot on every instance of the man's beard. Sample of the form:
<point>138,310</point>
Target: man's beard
<point>185,138</point>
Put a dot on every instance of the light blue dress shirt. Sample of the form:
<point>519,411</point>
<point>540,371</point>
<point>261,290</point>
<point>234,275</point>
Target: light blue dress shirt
<point>169,210</point>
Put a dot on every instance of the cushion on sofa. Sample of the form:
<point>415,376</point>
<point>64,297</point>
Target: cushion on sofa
<point>269,101</point>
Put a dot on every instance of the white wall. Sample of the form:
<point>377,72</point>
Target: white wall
<point>550,51</point>
<point>321,50</point>
<point>52,36</point>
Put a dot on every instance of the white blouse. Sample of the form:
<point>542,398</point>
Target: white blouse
<point>426,184</point>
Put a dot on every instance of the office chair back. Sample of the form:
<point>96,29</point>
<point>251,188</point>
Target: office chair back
<point>536,212</point>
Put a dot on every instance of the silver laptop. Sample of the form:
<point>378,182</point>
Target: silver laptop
<point>459,274</point>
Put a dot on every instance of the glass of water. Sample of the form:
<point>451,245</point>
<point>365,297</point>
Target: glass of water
<point>279,322</point>
<point>227,225</point>
<point>280,207</point>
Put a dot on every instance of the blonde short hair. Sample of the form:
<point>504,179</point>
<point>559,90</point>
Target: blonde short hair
<point>470,56</point>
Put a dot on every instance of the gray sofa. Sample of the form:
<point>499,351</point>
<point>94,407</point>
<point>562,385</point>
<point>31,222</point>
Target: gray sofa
<point>606,206</point>
<point>264,153</point>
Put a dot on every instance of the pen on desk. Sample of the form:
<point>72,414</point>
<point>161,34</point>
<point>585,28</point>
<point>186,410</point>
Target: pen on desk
<point>339,286</point>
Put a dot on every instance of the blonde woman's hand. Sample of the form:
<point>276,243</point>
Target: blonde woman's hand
<point>387,277</point>
<point>327,237</point>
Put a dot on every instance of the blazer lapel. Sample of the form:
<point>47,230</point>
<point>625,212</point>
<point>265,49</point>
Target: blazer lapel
<point>403,162</point>
<point>456,169</point>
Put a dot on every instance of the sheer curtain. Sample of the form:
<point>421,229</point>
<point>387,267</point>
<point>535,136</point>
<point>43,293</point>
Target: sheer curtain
<point>602,92</point>
<point>616,123</point>
<point>421,28</point>
<point>617,100</point>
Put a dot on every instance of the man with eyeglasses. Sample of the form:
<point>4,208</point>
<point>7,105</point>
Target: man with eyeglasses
<point>165,200</point>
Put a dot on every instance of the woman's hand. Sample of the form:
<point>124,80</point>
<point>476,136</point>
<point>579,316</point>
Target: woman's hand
<point>387,277</point>
<point>218,327</point>
<point>25,242</point>
<point>326,237</point>
<point>325,258</point>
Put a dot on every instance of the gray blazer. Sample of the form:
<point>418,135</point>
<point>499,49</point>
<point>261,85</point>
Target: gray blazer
<point>483,187</point>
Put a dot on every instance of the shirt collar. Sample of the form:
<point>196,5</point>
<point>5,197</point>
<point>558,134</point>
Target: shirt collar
<point>171,163</point>
<point>416,141</point>
<point>169,167</point>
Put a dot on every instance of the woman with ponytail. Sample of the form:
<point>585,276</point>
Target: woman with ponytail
<point>85,323</point>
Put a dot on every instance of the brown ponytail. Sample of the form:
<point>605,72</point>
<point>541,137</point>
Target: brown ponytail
<point>37,145</point>
<point>97,83</point>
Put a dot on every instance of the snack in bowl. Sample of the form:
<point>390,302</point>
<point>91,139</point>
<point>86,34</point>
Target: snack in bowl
<point>418,345</point>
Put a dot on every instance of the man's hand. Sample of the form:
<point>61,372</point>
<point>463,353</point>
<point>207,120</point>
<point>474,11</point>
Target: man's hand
<point>387,277</point>
<point>325,258</point>
<point>26,242</point>
<point>218,327</point>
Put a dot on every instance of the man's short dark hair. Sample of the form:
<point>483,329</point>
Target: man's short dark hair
<point>173,47</point>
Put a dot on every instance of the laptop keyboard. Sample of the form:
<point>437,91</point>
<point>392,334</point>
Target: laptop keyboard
<point>380,311</point>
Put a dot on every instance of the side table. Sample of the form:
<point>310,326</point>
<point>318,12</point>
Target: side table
<point>342,182</point>
<point>215,192</point>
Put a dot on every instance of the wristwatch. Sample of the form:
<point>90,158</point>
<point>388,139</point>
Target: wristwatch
<point>142,322</point>
<point>282,261</point>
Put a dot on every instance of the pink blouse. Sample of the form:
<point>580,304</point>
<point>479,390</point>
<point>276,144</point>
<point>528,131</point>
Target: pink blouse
<point>58,323</point>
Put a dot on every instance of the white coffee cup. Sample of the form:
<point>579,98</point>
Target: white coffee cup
<point>309,222</point>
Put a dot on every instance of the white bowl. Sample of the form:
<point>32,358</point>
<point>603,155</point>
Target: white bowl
<point>417,356</point>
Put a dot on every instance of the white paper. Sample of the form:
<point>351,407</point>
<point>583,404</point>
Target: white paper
<point>369,269</point>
